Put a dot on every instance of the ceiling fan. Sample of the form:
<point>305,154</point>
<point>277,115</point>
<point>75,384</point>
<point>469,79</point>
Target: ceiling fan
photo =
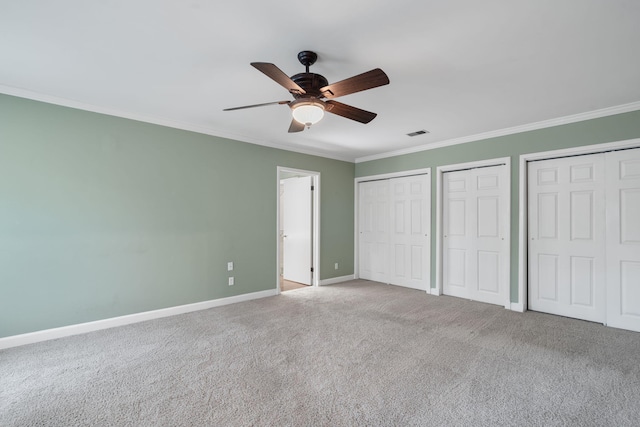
<point>309,90</point>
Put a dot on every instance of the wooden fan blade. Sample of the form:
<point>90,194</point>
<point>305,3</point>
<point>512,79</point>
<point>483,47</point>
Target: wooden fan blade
<point>295,126</point>
<point>364,81</point>
<point>256,105</point>
<point>349,112</point>
<point>277,75</point>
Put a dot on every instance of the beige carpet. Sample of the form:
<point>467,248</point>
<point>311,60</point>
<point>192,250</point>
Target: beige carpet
<point>351,354</point>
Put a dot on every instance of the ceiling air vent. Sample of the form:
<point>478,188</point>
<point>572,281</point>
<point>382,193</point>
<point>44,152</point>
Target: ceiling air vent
<point>418,132</point>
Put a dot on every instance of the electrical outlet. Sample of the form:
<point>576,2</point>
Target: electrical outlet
<point>335,266</point>
<point>231,281</point>
<point>230,266</point>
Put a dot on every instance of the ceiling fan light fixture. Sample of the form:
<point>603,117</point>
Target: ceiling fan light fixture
<point>307,112</point>
<point>309,89</point>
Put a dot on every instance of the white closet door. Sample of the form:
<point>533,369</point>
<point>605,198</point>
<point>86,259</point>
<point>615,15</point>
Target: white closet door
<point>410,218</point>
<point>567,237</point>
<point>623,239</point>
<point>374,230</point>
<point>475,224</point>
<point>458,237</point>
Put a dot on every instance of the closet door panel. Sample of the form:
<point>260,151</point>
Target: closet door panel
<point>374,230</point>
<point>623,239</point>
<point>475,223</point>
<point>410,229</point>
<point>394,231</point>
<point>567,237</point>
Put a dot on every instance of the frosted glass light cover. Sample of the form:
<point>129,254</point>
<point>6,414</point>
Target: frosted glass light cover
<point>308,114</point>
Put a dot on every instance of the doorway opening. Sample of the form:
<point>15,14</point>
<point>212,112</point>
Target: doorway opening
<point>298,228</point>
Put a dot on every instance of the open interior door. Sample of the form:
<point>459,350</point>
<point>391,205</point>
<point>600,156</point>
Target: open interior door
<point>297,229</point>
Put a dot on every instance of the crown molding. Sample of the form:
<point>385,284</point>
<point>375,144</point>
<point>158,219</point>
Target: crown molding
<point>64,102</point>
<point>161,121</point>
<point>610,111</point>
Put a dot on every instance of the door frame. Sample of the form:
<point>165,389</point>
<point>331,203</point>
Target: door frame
<point>356,209</point>
<point>523,220</point>
<point>315,228</point>
<point>439,205</point>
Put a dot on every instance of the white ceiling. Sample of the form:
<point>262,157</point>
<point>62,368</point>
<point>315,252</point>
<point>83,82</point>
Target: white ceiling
<point>457,67</point>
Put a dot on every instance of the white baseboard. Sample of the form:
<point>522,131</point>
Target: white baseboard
<point>433,291</point>
<point>335,280</point>
<point>81,328</point>
<point>517,306</point>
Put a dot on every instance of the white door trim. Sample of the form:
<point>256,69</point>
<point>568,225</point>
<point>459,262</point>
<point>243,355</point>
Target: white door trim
<point>315,180</point>
<point>439,180</point>
<point>356,222</point>
<point>523,237</point>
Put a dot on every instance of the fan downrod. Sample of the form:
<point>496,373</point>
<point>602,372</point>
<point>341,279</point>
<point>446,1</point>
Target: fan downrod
<point>310,82</point>
<point>307,58</point>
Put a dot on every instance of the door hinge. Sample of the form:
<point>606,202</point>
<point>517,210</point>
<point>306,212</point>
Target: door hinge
<point>312,188</point>
<point>312,269</point>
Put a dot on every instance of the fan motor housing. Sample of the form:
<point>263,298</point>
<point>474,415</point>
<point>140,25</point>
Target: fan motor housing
<point>311,83</point>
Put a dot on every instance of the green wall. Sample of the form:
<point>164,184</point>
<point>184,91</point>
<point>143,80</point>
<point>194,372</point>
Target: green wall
<point>607,129</point>
<point>102,216</point>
